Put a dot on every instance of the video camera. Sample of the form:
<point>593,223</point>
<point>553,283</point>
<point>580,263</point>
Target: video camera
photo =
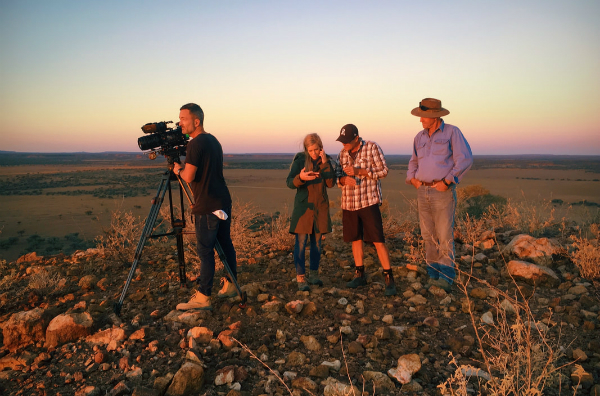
<point>163,140</point>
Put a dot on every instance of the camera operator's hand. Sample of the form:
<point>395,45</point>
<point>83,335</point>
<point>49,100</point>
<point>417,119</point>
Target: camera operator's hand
<point>177,167</point>
<point>187,171</point>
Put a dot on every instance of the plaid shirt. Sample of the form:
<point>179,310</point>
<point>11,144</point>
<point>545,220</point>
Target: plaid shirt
<point>367,191</point>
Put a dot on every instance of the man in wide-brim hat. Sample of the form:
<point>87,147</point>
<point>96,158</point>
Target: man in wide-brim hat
<point>440,158</point>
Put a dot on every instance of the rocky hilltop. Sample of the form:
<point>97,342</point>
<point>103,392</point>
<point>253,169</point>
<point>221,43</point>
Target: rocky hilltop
<point>519,298</point>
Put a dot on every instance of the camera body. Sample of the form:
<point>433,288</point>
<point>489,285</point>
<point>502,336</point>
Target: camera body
<point>163,140</point>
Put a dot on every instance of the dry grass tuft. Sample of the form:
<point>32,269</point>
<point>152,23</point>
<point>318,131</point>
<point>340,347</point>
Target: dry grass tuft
<point>43,281</point>
<point>7,278</point>
<point>586,254</point>
<point>120,240</point>
<point>517,354</point>
<point>275,234</point>
<point>245,217</point>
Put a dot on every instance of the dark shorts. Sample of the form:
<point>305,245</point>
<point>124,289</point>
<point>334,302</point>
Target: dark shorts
<point>363,225</point>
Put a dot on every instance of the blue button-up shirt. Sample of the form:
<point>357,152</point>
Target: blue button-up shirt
<point>443,155</point>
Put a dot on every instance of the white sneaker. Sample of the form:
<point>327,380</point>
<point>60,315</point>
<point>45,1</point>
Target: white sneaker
<point>198,301</point>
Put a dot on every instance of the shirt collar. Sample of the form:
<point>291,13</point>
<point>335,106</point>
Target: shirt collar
<point>362,143</point>
<point>440,128</point>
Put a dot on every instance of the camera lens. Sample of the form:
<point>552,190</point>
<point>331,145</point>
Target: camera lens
<point>149,142</point>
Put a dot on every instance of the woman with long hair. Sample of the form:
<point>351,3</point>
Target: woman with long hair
<point>311,172</point>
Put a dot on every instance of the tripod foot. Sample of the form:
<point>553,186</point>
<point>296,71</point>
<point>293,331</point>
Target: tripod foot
<point>117,308</point>
<point>244,297</point>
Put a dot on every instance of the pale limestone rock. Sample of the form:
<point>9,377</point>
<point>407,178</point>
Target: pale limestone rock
<point>294,307</point>
<point>305,383</point>
<point>487,318</point>
<point>578,290</point>
<point>539,250</point>
<point>407,366</point>
<point>295,359</point>
<point>106,337</point>
<point>226,375</point>
<point>336,365</point>
<point>336,388</point>
<point>272,306</point>
<point>397,331</point>
<point>507,306</point>
<point>311,343</point>
<point>418,299</point>
<point>380,380</point>
<point>532,273</point>
<point>202,335</point>
<point>188,380</point>
<point>251,289</point>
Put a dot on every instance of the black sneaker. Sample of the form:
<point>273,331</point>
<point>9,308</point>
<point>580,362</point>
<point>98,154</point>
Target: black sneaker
<point>302,285</point>
<point>360,279</point>
<point>313,279</point>
<point>390,285</point>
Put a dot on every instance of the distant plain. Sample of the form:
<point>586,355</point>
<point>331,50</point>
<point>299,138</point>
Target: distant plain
<point>58,197</point>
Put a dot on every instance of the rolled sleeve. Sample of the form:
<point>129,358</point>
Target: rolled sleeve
<point>379,170</point>
<point>413,165</point>
<point>462,156</point>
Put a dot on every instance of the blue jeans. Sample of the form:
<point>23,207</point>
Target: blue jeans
<point>209,230</point>
<point>300,252</point>
<point>436,219</point>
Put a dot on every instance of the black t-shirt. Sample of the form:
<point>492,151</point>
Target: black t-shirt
<point>209,187</point>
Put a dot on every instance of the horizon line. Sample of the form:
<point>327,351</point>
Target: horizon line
<point>275,153</point>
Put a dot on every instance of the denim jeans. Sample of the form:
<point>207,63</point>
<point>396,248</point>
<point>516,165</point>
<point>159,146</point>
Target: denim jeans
<point>300,252</point>
<point>436,219</point>
<point>209,230</point>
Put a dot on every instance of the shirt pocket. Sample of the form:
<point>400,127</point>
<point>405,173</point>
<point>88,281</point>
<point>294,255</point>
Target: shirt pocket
<point>421,150</point>
<point>440,147</point>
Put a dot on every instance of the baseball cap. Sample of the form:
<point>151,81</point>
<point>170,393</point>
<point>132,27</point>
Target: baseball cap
<point>347,133</point>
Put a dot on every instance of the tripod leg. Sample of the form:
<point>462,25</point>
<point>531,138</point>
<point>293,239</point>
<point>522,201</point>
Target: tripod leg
<point>148,226</point>
<point>221,254</point>
<point>181,258</point>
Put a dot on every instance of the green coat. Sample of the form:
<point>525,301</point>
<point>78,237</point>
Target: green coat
<point>311,205</point>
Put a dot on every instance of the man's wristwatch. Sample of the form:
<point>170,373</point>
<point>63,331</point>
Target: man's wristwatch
<point>445,182</point>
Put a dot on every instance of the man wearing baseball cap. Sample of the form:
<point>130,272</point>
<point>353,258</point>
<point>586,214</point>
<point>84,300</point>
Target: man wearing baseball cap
<point>362,165</point>
<point>441,157</point>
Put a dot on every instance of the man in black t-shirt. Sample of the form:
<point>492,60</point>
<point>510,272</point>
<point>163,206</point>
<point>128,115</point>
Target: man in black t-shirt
<point>212,204</point>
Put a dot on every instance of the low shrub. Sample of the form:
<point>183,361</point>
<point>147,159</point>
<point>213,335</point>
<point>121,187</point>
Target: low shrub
<point>586,254</point>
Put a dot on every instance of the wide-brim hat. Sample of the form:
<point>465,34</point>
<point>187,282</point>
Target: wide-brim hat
<point>430,108</point>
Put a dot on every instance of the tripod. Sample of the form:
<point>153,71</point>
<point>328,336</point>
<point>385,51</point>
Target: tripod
<point>178,227</point>
<point>177,224</point>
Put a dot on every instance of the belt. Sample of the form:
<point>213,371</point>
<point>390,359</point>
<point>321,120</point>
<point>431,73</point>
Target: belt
<point>433,183</point>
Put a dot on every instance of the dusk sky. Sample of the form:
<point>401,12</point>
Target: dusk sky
<point>519,77</point>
